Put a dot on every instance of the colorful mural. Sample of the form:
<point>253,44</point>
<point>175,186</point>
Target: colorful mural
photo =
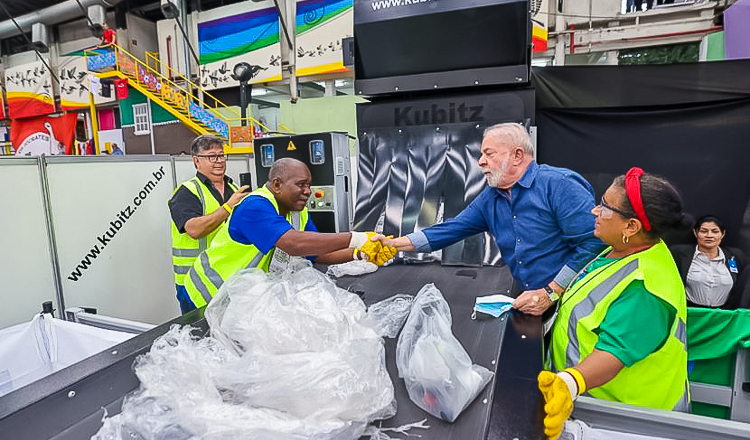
<point>209,119</point>
<point>251,37</point>
<point>29,90</point>
<point>2,102</point>
<point>100,60</point>
<point>321,25</point>
<point>75,84</point>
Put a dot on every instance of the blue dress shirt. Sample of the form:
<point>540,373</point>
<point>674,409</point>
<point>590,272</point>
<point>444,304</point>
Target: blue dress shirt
<point>544,227</point>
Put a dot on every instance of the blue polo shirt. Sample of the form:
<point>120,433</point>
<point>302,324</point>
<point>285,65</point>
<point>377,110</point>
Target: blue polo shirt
<point>544,227</point>
<point>256,222</point>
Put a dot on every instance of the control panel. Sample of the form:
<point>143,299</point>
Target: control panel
<point>321,198</point>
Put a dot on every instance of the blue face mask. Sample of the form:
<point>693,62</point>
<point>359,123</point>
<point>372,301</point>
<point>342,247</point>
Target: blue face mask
<point>493,305</point>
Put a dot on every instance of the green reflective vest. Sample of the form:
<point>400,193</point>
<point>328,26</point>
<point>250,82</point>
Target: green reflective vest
<point>660,379</point>
<point>225,256</point>
<point>186,249</point>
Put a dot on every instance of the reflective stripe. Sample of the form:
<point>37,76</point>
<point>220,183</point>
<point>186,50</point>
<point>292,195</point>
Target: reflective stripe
<point>212,275</point>
<point>587,306</point>
<point>176,252</point>
<point>681,333</point>
<point>256,259</point>
<point>683,405</point>
<point>202,242</point>
<point>200,193</point>
<point>181,270</point>
<point>296,220</point>
<point>202,289</point>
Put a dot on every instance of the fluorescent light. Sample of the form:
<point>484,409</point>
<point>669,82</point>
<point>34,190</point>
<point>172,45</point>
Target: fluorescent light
<point>259,91</point>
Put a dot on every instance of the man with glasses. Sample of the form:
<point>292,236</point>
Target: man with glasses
<point>198,207</point>
<point>540,217</point>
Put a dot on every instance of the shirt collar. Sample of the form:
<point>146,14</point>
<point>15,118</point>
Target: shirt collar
<point>720,257</point>
<point>528,177</point>
<point>525,181</point>
<point>207,181</point>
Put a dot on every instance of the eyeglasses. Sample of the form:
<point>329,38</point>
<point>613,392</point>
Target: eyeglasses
<point>213,158</point>
<point>606,210</point>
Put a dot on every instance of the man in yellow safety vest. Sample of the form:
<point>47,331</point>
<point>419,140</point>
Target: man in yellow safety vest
<point>271,227</point>
<point>198,207</point>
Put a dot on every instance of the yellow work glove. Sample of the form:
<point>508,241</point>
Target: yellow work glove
<point>385,254</point>
<point>376,252</point>
<point>360,238</point>
<point>559,391</point>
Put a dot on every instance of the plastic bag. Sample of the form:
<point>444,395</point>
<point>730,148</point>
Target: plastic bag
<point>437,371</point>
<point>352,268</point>
<point>289,357</point>
<point>387,316</point>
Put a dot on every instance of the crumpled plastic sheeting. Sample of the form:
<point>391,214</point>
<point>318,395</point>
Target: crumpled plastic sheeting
<point>437,371</point>
<point>351,268</point>
<point>380,433</point>
<point>388,316</point>
<point>289,357</point>
<point>299,312</point>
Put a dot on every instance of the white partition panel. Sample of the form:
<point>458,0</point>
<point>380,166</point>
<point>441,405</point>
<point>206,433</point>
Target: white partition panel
<point>111,224</point>
<point>236,164</point>
<point>183,168</point>
<point>26,274</point>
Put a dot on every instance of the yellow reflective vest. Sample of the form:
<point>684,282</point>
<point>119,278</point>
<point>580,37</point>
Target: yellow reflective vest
<point>225,256</point>
<point>660,379</point>
<point>186,249</point>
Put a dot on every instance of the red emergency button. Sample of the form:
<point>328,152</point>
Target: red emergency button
<point>319,194</point>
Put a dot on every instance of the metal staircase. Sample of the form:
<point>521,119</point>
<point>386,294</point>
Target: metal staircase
<point>179,96</point>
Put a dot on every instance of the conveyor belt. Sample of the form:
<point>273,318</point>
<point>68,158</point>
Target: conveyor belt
<point>510,406</point>
<point>68,405</point>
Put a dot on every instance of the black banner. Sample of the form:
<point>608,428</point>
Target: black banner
<point>686,122</point>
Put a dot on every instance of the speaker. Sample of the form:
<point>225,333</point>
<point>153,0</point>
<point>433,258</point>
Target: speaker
<point>170,9</point>
<point>429,44</point>
<point>39,37</point>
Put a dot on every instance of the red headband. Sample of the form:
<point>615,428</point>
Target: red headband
<point>633,189</point>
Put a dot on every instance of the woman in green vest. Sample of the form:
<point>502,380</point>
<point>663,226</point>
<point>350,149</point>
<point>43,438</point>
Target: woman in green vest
<point>619,333</point>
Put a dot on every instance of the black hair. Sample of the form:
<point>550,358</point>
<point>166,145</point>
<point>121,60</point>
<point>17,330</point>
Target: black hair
<point>204,142</point>
<point>661,202</point>
<point>709,219</point>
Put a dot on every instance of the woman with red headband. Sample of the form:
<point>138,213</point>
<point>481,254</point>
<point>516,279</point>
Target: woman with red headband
<point>619,333</point>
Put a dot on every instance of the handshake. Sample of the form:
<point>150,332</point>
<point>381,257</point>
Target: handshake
<point>373,247</point>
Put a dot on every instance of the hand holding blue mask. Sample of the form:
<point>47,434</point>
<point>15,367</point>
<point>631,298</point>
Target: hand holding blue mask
<point>493,305</point>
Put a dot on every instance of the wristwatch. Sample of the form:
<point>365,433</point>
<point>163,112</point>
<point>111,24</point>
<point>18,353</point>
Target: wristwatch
<point>553,296</point>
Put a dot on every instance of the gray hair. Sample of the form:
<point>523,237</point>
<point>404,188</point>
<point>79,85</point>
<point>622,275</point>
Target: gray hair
<point>511,134</point>
<point>204,142</point>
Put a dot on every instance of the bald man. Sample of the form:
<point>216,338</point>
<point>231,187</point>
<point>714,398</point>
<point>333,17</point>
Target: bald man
<point>269,228</point>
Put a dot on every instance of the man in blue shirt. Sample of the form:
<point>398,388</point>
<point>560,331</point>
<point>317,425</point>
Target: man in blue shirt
<point>539,215</point>
<point>259,223</point>
<point>268,229</point>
